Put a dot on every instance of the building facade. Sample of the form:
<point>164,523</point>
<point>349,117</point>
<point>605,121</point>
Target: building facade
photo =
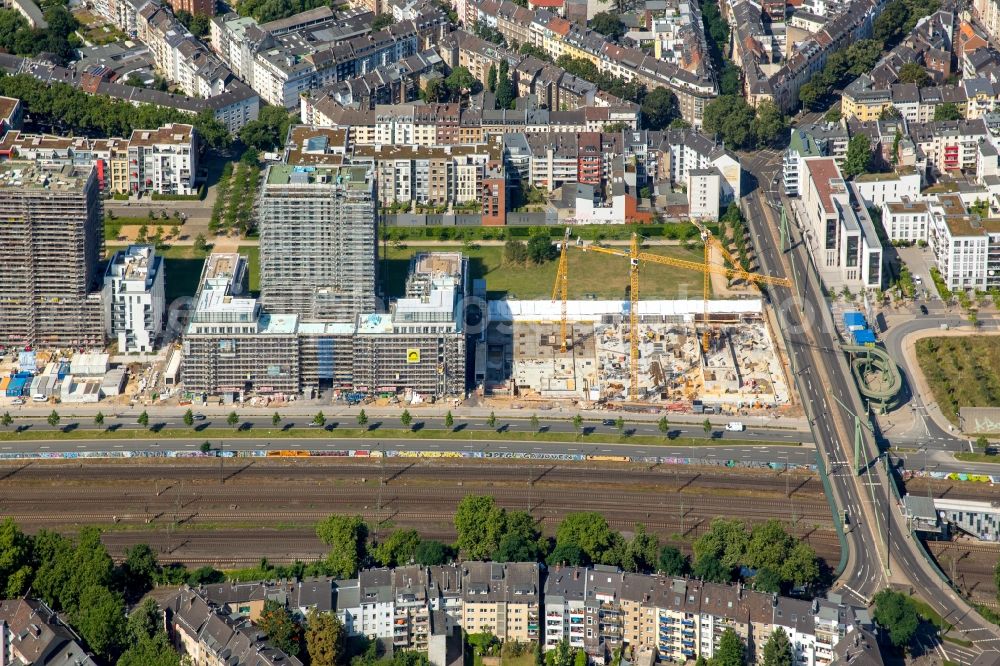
<point>134,299</point>
<point>51,238</point>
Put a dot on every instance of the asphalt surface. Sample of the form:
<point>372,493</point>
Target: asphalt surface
<point>821,374</point>
<point>262,423</point>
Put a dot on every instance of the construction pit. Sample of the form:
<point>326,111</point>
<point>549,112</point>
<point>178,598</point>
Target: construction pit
<point>730,364</point>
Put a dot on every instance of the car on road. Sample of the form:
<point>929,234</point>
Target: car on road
<point>608,422</point>
<point>917,279</point>
<point>735,426</point>
<point>923,309</point>
<point>199,416</point>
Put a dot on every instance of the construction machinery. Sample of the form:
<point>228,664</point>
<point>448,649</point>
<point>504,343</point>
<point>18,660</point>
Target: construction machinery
<point>635,255</point>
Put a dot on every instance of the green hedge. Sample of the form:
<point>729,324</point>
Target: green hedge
<point>156,196</point>
<point>129,221</point>
<point>674,231</point>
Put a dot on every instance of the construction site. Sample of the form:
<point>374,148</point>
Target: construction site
<point>690,355</point>
<point>738,368</point>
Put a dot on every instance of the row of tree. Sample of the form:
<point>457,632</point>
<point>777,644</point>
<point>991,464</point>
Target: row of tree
<point>71,110</point>
<point>841,66</point>
<point>500,83</point>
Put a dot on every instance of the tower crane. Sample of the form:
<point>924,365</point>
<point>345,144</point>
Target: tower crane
<point>635,255</point>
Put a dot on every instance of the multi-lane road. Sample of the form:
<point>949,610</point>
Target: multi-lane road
<point>822,375</point>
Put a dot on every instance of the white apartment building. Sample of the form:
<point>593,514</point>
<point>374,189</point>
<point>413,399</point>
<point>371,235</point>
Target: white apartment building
<point>565,607</point>
<point>966,248</point>
<point>164,160</point>
<point>906,220</point>
<point>838,229</point>
<point>877,188</point>
<point>704,189</point>
<point>134,299</point>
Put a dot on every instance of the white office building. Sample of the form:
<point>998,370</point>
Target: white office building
<point>134,299</point>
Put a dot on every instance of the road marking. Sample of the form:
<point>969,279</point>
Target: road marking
<point>43,447</point>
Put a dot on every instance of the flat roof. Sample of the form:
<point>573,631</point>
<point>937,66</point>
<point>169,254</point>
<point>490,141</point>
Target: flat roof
<point>824,171</point>
<point>15,174</point>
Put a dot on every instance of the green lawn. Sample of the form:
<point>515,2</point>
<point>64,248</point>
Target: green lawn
<point>182,268</point>
<point>961,371</point>
<point>591,275</point>
<point>252,253</point>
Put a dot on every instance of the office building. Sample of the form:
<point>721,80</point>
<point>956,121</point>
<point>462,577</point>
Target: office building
<point>134,299</point>
<point>318,242</point>
<point>50,246</point>
<point>231,345</point>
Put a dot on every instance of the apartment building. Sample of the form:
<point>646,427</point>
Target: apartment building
<point>231,345</point>
<point>678,152</point>
<point>134,300</point>
<point>906,220</point>
<point>839,231</point>
<point>318,238</point>
<point>987,12</point>
<point>32,633</point>
<point>966,248</point>
<point>565,607</point>
<point>949,145</point>
<point>502,598</point>
<point>51,238</point>
<point>163,160</point>
<point>108,156</point>
<point>211,637</point>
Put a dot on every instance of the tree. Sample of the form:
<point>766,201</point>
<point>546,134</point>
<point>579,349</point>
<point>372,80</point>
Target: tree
<point>800,566</point>
<point>706,425</point>
<point>947,111</point>
<point>620,425</point>
<point>515,253</point>
<point>888,27</point>
<point>152,650</point>
<point>363,419</point>
<point>505,91</point>
<point>275,420</point>
<point>346,537</point>
<point>189,418</point>
<point>480,524</point>
<point>491,78</point>
<point>664,425</point>
<point>460,80</point>
<point>609,25</point>
<point>233,420</point>
<point>732,119</point>
<point>282,631</point>
<point>540,247</point>
<point>810,94</point>
<point>896,613</point>
<point>659,108</point>
<point>641,554</point>
<point>406,419</point>
<point>201,244</point>
<point>859,156</point>
<point>534,423</point>
<point>580,658</point>
<point>768,546</point>
<point>319,419</point>
<point>725,540</point>
<point>382,21</point>
<point>768,580</point>
<point>449,420</point>
<point>205,447</point>
<point>430,552</point>
<point>16,565</point>
<point>325,638</point>
<point>6,420</point>
<point>577,423</point>
<point>672,562</point>
<point>709,568</point>
<point>590,532</point>
<point>983,443</point>
<point>267,132</point>
<point>771,124</point>
<point>139,570</point>
<point>100,619</point>
<point>567,553</point>
<point>912,72</point>
<point>53,418</point>
<point>778,649</point>
<point>561,655</point>
<point>521,540</point>
<point>730,650</point>
<point>205,575</point>
<point>436,90</point>
<point>492,420</point>
<point>145,620</point>
<point>397,549</point>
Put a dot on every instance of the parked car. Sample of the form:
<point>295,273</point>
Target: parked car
<point>923,309</point>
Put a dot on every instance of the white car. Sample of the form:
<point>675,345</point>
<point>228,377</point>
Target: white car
<point>735,426</point>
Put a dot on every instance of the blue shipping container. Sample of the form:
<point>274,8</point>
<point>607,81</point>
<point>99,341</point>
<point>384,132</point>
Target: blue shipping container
<point>854,319</point>
<point>864,337</point>
<point>16,387</point>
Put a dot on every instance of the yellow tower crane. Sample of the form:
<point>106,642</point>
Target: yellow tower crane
<point>635,255</point>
